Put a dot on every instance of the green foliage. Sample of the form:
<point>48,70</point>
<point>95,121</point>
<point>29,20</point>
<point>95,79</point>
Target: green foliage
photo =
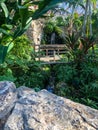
<point>50,28</point>
<point>44,6</point>
<point>6,73</point>
<point>60,21</point>
<point>3,51</point>
<point>62,70</point>
<point>95,22</point>
<point>22,48</point>
<point>35,77</point>
<point>17,16</point>
<point>78,49</point>
<point>81,74</point>
<point>21,67</point>
<point>16,60</point>
<point>80,83</point>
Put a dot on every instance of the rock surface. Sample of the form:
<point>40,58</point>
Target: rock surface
<point>46,111</point>
<point>8,98</point>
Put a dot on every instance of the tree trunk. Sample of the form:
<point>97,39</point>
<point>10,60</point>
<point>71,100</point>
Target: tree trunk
<point>90,18</point>
<point>85,18</point>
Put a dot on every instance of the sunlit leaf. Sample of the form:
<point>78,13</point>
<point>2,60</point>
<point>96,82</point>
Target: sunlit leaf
<point>4,31</point>
<point>4,7</point>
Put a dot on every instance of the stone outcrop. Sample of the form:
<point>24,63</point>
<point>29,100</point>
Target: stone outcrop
<point>8,98</point>
<point>46,111</point>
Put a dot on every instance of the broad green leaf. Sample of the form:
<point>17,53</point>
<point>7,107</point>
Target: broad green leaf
<point>3,53</point>
<point>4,7</point>
<point>4,31</point>
<point>44,6</point>
<point>7,26</point>
<point>10,46</point>
<point>24,15</point>
<point>19,31</point>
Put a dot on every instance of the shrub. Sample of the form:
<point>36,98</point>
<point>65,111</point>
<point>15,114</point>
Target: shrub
<point>80,84</point>
<point>21,67</point>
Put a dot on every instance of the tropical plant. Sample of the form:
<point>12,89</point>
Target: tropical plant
<point>21,68</point>
<point>17,59</point>
<point>53,27</point>
<point>78,50</point>
<point>78,85</point>
<point>16,19</point>
<point>35,77</point>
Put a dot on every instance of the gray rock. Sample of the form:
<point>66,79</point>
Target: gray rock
<point>3,120</point>
<point>46,111</point>
<point>23,91</point>
<point>8,98</point>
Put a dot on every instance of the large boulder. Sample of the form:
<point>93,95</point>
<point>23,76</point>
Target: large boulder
<point>8,98</point>
<point>46,111</point>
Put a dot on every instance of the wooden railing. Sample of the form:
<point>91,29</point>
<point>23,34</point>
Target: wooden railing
<point>50,52</point>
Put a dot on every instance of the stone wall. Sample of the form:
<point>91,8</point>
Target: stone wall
<point>35,31</point>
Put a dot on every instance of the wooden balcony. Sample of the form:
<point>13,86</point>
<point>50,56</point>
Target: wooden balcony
<point>50,52</point>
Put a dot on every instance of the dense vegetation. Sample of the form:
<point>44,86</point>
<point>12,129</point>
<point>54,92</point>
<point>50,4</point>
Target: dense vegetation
<point>78,78</point>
